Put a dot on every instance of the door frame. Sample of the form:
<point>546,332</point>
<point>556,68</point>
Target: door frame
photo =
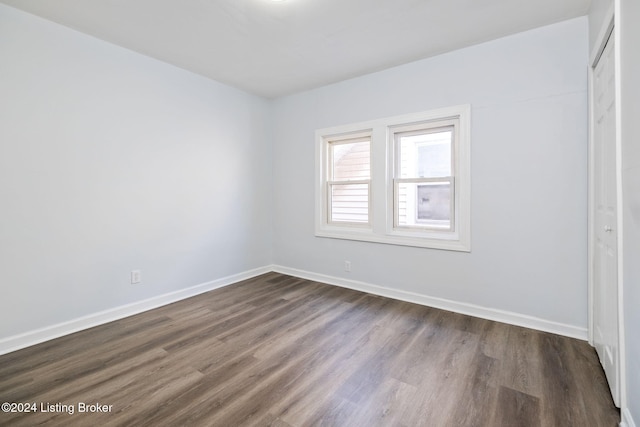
<point>609,28</point>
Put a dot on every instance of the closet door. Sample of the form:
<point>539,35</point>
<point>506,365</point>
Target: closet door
<point>605,226</point>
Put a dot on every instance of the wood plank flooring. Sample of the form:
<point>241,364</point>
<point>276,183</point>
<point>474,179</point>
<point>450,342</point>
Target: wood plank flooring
<point>281,351</point>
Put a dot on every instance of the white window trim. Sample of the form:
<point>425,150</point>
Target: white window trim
<point>381,190</point>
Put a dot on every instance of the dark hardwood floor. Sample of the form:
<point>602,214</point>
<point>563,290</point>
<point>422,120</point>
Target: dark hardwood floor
<point>281,351</point>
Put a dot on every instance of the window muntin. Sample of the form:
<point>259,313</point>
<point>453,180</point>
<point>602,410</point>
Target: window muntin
<point>349,180</point>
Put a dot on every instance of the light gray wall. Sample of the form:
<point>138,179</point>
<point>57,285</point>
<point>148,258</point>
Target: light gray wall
<point>112,161</point>
<point>629,16</point>
<point>529,174</point>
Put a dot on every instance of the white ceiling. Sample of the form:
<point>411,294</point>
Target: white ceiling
<point>277,48</point>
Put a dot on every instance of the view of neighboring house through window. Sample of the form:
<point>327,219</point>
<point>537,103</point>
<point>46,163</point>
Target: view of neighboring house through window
<point>402,180</point>
<point>424,179</point>
<point>349,180</point>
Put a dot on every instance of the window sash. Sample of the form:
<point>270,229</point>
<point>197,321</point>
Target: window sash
<point>429,224</point>
<point>354,209</point>
<point>331,146</point>
<point>426,129</point>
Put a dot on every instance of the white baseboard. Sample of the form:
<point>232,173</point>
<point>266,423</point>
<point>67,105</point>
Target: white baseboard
<point>30,338</point>
<point>458,307</point>
<point>627,419</point>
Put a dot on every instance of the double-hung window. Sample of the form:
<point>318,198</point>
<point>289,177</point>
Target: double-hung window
<point>400,180</point>
<point>424,176</point>
<point>349,180</point>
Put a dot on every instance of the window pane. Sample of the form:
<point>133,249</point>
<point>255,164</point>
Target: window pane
<point>349,203</point>
<point>424,205</point>
<point>426,155</point>
<point>350,160</point>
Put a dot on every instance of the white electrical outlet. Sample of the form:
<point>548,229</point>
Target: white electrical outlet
<point>347,266</point>
<point>136,276</point>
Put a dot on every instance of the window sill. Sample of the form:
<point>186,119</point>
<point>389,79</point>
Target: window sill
<point>368,235</point>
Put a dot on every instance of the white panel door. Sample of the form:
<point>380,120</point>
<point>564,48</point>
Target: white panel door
<point>605,291</point>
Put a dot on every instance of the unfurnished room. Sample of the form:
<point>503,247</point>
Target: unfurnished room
<point>339,213</point>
